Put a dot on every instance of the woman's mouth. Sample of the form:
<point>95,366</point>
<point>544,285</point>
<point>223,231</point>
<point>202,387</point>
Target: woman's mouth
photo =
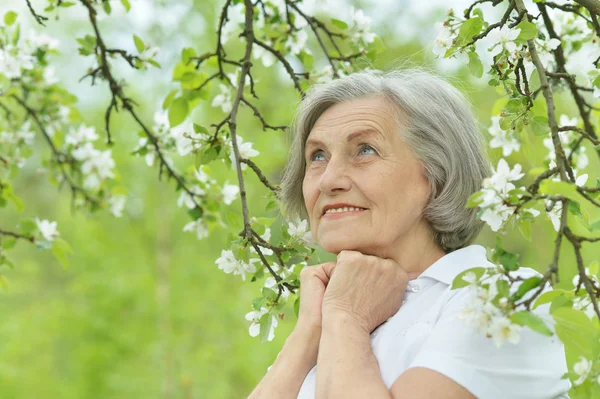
<point>342,212</point>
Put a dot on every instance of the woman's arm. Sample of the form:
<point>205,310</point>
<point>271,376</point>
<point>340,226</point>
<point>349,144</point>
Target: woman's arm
<point>297,357</point>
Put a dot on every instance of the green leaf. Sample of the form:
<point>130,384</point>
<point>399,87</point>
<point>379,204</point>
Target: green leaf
<point>178,111</point>
<point>153,62</point>
<point>10,17</point>
<point>307,60</point>
<point>503,288</point>
<point>169,99</point>
<point>468,29</point>
<point>208,155</point>
<point>297,306</point>
<point>200,129</point>
<point>475,65</point>
<point>272,204</point>
<point>8,243</point>
<point>257,303</point>
<point>126,5</point>
<point>475,199</point>
<point>27,227</point>
<point>539,126</point>
<point>235,221</point>
<point>594,266</point>
<point>526,286</point>
<point>525,229</point>
<point>525,318</point>
<point>559,302</point>
<point>507,259</point>
<point>528,30</point>
<point>107,7</point>
<point>458,281</point>
<point>575,330</point>
<point>3,282</point>
<point>61,250</point>
<point>269,293</point>
<point>549,296</point>
<point>139,44</point>
<point>340,24</point>
<point>265,326</point>
<point>195,213</point>
<point>534,81</point>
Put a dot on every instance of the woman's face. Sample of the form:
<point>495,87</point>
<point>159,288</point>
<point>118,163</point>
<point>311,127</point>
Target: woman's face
<point>354,156</point>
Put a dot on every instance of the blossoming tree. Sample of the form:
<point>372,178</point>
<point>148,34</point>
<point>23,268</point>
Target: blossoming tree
<point>535,51</point>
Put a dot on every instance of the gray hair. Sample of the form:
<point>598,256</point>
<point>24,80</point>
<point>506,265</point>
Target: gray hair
<point>441,129</point>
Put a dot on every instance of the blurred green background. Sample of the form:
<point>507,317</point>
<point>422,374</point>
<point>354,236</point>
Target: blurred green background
<point>142,310</point>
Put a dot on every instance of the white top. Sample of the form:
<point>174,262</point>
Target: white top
<point>425,332</point>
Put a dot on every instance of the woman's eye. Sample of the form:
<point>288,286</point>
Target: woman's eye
<point>368,147</point>
<point>316,153</point>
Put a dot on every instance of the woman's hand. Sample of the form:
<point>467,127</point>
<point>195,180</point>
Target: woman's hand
<point>367,288</point>
<point>313,281</point>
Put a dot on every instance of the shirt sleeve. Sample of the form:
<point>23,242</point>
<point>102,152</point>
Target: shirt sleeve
<point>531,369</point>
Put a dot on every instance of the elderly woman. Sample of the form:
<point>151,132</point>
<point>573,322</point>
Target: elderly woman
<point>382,165</point>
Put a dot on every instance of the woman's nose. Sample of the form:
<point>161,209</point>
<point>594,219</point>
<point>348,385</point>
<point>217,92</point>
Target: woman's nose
<point>335,178</point>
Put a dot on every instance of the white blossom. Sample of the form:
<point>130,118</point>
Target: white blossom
<point>202,177</point>
<point>504,36</point>
<point>326,74</point>
<point>272,284</point>
<point>255,316</point>
<point>443,41</point>
<point>229,192</point>
<point>149,52</point>
<point>362,26</point>
<point>501,330</point>
<point>197,226</point>
<point>495,190</point>
<point>264,55</point>
<point>223,99</point>
<point>47,229</point>
<point>229,264</point>
<point>43,41</point>
<point>117,204</point>
<point>502,139</point>
<point>25,133</point>
<point>297,42</point>
<point>245,149</point>
<point>49,75</point>
<point>161,122</point>
<point>470,277</point>
<point>188,200</point>
<point>299,230</point>
<point>582,368</point>
<point>80,135</point>
<point>13,59</point>
<point>482,315</point>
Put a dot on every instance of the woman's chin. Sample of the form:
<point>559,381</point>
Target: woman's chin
<point>336,246</point>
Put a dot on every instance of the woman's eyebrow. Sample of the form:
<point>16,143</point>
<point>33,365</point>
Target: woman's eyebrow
<point>351,137</point>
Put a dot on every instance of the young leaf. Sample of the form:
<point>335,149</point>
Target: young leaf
<point>265,326</point>
<point>10,17</point>
<point>528,31</point>
<point>139,44</point>
<point>534,81</point>
<point>539,126</point>
<point>468,29</point>
<point>459,282</point>
<point>526,286</point>
<point>549,296</point>
<point>178,111</point>
<point>525,318</point>
<point>475,65</point>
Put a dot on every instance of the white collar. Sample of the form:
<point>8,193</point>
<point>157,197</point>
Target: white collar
<point>450,265</point>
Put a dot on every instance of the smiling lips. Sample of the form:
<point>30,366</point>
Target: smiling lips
<point>339,210</point>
